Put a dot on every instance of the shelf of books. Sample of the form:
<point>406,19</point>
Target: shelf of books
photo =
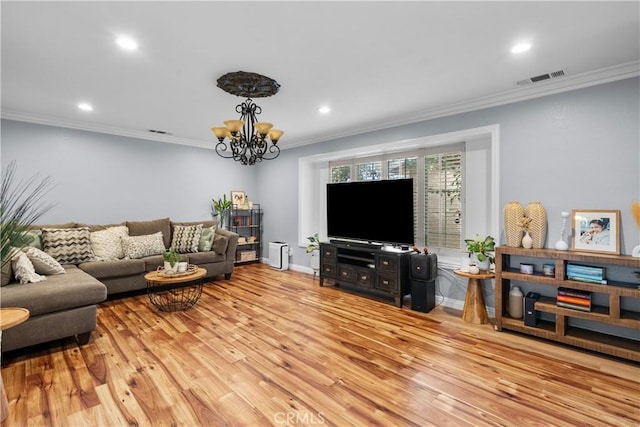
<point>248,224</point>
<point>570,295</point>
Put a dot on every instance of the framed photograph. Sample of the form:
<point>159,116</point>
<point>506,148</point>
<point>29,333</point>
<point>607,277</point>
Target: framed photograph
<point>238,199</point>
<point>596,230</point>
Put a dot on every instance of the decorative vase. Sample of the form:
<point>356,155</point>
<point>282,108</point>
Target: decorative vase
<point>168,268</point>
<point>482,265</point>
<point>513,213</point>
<point>527,241</point>
<point>538,225</point>
<point>561,245</point>
<point>315,260</point>
<point>515,303</point>
<point>222,217</point>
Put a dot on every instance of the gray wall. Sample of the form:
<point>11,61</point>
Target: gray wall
<point>103,178</point>
<point>579,149</point>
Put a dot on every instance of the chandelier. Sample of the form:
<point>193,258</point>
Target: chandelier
<point>248,140</point>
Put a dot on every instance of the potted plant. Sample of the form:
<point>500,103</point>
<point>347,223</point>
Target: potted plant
<point>220,209</point>
<point>171,259</point>
<point>313,248</point>
<point>482,249</point>
<point>20,207</point>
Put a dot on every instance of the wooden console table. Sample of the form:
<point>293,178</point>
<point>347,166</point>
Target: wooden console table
<point>475,311</point>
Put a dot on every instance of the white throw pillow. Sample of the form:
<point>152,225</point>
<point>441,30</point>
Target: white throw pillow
<point>43,263</point>
<point>107,244</point>
<point>23,269</point>
<point>142,246</point>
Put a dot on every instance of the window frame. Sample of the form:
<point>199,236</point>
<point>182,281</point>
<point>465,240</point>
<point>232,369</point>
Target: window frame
<point>420,155</point>
<point>482,159</point>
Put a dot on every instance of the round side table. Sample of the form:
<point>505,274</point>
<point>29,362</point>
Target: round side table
<point>172,293</point>
<point>475,310</point>
<point>9,317</point>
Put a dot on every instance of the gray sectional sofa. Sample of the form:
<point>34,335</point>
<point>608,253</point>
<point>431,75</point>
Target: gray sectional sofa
<point>65,305</point>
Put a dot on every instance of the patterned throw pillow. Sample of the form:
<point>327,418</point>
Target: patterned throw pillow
<point>186,238</point>
<point>42,262</point>
<point>206,238</point>
<point>68,245</point>
<point>24,270</point>
<point>33,238</point>
<point>107,243</point>
<point>142,246</point>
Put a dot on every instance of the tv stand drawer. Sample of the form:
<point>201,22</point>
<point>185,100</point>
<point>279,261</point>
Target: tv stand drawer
<point>377,271</point>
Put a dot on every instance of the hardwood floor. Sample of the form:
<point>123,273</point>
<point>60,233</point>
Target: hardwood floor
<point>275,348</point>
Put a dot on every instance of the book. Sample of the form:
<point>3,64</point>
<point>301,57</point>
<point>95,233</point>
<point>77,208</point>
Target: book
<point>573,306</point>
<point>574,292</point>
<point>587,279</point>
<point>585,271</point>
<point>574,300</point>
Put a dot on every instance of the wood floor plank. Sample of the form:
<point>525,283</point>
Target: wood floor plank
<point>274,348</point>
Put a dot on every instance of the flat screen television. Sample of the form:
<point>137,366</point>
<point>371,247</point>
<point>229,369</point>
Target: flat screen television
<point>376,212</point>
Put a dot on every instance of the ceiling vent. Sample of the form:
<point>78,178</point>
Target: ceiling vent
<point>541,78</point>
<point>159,132</point>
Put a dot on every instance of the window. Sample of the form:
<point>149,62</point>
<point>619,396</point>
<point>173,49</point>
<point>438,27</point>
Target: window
<point>438,182</point>
<point>480,190</point>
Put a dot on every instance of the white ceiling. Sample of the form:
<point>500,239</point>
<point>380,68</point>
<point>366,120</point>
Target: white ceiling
<point>376,64</point>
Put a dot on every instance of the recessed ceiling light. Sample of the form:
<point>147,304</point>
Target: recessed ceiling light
<point>85,107</point>
<point>127,43</point>
<point>521,47</point>
<point>324,109</point>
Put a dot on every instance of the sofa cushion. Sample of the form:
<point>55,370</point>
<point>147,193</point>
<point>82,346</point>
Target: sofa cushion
<point>142,228</point>
<point>151,263</point>
<point>186,238</point>
<point>220,244</point>
<point>7,274</point>
<point>67,245</point>
<point>142,246</point>
<point>200,258</point>
<point>107,243</point>
<point>60,292</point>
<point>206,238</point>
<point>62,225</point>
<point>108,269</point>
<point>98,227</point>
<point>43,262</point>
<point>24,270</point>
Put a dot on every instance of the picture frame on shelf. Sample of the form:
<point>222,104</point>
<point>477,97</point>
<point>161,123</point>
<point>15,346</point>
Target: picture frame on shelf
<point>238,199</point>
<point>596,230</point>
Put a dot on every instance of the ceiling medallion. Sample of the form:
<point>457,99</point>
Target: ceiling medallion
<point>248,139</point>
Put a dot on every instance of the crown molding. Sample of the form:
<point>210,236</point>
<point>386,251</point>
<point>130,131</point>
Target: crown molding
<point>523,93</point>
<point>95,127</point>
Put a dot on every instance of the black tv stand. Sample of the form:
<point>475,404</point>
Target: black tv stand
<point>366,267</point>
<point>354,244</point>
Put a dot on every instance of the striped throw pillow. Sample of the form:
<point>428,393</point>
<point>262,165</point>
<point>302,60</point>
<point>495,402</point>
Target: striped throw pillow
<point>68,245</point>
<point>186,238</point>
